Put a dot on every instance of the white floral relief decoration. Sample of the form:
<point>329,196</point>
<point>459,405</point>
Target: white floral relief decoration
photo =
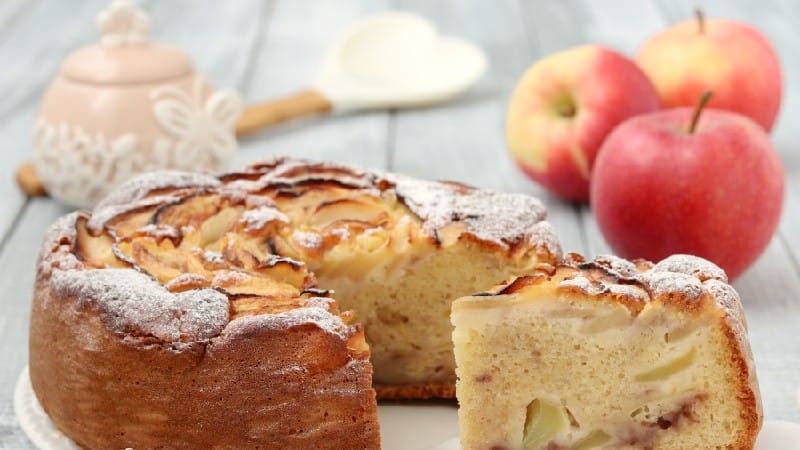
<point>123,23</point>
<point>203,130</point>
<point>80,168</point>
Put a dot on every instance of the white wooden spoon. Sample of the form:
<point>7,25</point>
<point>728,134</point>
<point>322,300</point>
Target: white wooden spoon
<point>388,60</point>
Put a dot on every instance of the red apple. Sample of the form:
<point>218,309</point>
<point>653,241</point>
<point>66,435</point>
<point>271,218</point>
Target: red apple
<point>667,183</point>
<point>731,58</point>
<point>562,109</point>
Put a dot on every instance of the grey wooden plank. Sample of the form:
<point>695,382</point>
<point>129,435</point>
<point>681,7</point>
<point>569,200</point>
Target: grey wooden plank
<point>47,33</point>
<point>16,283</point>
<point>11,10</point>
<point>298,35</point>
<point>464,140</point>
<point>769,293</point>
<point>218,36</point>
<point>32,44</point>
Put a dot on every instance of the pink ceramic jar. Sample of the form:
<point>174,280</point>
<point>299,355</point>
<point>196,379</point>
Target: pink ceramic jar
<point>126,106</point>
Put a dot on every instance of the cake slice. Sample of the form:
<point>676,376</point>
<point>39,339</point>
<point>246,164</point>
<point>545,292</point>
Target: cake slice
<point>607,354</point>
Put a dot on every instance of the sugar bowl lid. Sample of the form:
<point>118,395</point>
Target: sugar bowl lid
<point>124,54</point>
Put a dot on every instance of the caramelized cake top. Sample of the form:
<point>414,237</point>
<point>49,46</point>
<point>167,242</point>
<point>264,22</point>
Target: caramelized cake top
<point>173,257</point>
<point>686,281</point>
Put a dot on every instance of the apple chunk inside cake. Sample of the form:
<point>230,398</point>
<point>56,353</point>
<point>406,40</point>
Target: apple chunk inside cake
<point>606,355</point>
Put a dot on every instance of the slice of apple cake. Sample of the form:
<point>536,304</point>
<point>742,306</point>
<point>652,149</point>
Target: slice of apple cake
<point>607,354</point>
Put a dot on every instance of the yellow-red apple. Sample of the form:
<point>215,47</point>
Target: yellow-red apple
<point>562,109</point>
<point>667,183</point>
<point>731,58</point>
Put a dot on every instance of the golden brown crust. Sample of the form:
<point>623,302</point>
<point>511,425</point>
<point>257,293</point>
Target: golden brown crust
<point>250,386</point>
<point>749,396</point>
<point>734,325</point>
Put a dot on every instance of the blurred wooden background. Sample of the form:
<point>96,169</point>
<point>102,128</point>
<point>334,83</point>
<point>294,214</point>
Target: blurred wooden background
<point>267,48</point>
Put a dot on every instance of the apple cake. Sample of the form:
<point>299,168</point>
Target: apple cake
<point>607,354</point>
<point>196,311</point>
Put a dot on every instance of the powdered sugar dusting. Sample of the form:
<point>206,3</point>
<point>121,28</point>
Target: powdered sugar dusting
<point>342,233</point>
<point>688,277</point>
<point>318,302</point>
<point>502,218</point>
<point>140,186</point>
<point>307,240</point>
<point>134,193</point>
<point>666,283</point>
<point>619,266</point>
<point>289,170</point>
<point>213,257</point>
<point>255,201</point>
<point>591,287</point>
<point>697,267</point>
<point>160,231</point>
<point>134,304</point>
<point>229,277</point>
<point>318,316</point>
<point>256,219</point>
<point>185,279</point>
<point>629,291</point>
<point>599,287</point>
<point>544,235</point>
<point>56,249</point>
<point>726,297</point>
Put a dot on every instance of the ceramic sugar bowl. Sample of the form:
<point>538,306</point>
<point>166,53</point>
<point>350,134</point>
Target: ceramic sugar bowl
<point>125,106</point>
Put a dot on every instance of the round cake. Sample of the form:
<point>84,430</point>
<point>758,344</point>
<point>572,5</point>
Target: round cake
<point>191,311</point>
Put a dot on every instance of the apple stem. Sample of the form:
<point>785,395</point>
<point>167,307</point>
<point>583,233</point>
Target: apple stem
<point>700,106</point>
<point>701,20</point>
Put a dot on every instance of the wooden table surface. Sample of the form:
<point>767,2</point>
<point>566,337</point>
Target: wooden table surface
<point>268,48</point>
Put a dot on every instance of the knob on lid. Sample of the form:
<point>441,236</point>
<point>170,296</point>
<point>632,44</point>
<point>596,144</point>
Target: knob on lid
<point>124,54</point>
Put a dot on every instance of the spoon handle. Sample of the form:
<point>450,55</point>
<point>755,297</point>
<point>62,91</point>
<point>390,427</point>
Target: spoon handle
<point>29,181</point>
<point>258,116</point>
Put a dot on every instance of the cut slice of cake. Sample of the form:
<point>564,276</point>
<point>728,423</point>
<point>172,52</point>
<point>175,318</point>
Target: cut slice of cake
<point>607,354</point>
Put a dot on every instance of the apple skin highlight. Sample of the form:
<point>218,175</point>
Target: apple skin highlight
<point>716,193</point>
<point>563,108</point>
<point>731,58</point>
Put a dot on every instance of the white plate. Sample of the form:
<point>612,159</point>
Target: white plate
<point>403,426</point>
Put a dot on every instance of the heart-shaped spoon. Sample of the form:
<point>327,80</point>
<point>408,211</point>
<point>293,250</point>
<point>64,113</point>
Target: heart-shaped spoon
<point>389,60</point>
